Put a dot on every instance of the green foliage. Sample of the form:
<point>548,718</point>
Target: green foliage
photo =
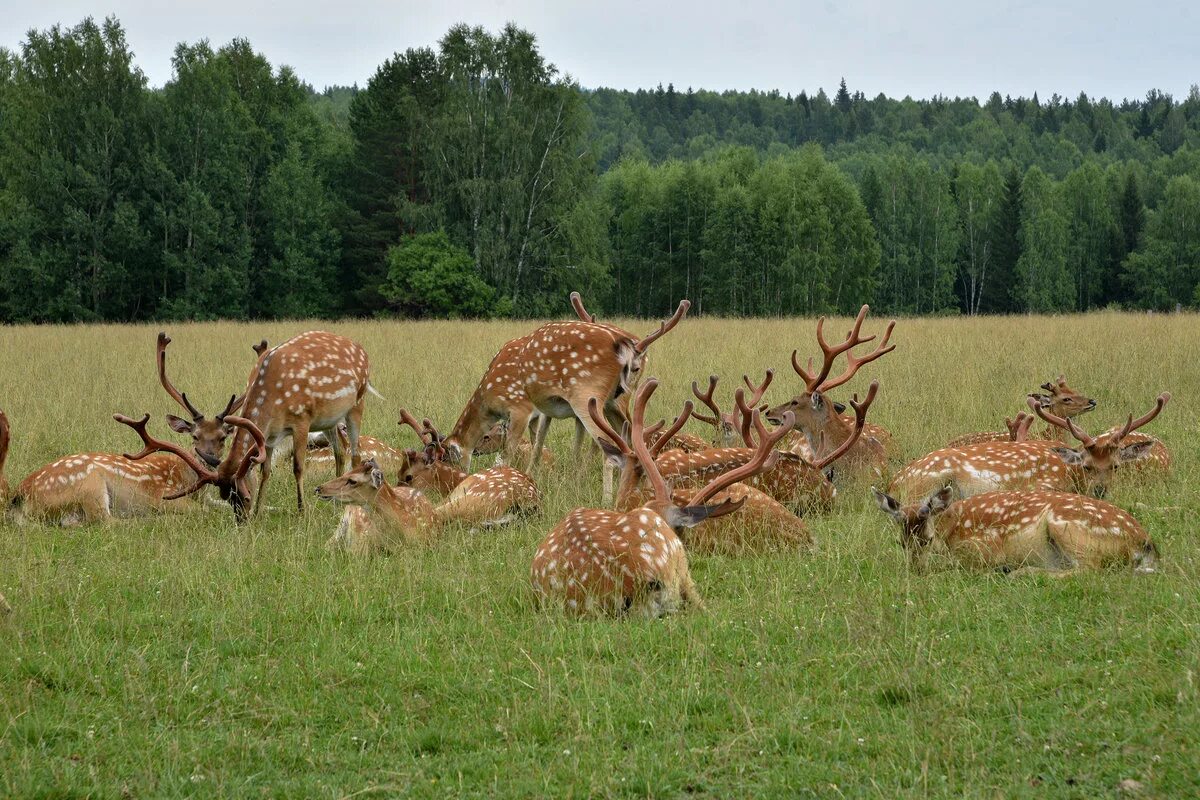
<point>428,276</point>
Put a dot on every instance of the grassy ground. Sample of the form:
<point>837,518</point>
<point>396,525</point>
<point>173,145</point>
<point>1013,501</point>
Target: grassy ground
<point>182,656</point>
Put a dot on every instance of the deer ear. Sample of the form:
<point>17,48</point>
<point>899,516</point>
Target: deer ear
<point>839,408</point>
<point>1073,458</point>
<point>1136,452</point>
<point>937,502</point>
<point>453,451</point>
<point>377,477</point>
<point>179,424</point>
<point>691,516</point>
<point>612,453</point>
<point>888,505</point>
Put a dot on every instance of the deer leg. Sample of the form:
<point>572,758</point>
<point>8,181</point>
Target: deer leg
<point>299,442</point>
<point>580,432</point>
<point>539,441</point>
<point>607,469</point>
<point>353,426</point>
<point>264,474</point>
<point>339,453</point>
<point>518,423</point>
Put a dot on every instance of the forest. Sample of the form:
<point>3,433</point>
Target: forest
<point>471,178</point>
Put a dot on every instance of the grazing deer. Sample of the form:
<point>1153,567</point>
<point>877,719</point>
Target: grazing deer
<point>1057,532</point>
<point>817,416</point>
<point>311,382</point>
<point>728,425</point>
<point>231,476</point>
<point>1030,465</point>
<point>556,369</point>
<point>208,435</point>
<point>1060,400</point>
<point>600,561</point>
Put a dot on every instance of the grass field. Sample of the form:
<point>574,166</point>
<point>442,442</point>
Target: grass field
<point>183,656</point>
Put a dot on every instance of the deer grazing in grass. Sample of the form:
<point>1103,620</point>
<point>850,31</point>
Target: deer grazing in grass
<point>762,524</point>
<point>230,476</point>
<point>1028,465</point>
<point>817,416</point>
<point>632,562</point>
<point>1057,532</point>
<point>555,371</point>
<point>1060,400</point>
<point>311,382</point>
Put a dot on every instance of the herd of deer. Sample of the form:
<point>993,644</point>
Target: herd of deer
<point>996,500</point>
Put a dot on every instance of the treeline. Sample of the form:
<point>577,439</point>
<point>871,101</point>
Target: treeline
<point>472,179</point>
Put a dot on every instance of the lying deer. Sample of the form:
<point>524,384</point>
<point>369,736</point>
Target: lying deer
<point>1060,400</point>
<point>1045,531</point>
<point>727,425</point>
<point>818,417</point>
<point>1029,465</point>
<point>633,562</point>
<point>320,452</point>
<point>763,524</point>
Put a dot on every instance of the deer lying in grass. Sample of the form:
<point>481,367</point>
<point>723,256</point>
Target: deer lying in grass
<point>1029,465</point>
<point>496,441</point>
<point>1056,532</point>
<point>597,561</point>
<point>727,425</point>
<point>1060,400</point>
<point>817,416</point>
<point>320,453</point>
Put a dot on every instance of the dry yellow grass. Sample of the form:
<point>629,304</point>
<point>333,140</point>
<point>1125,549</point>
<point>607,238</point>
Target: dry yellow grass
<point>184,656</point>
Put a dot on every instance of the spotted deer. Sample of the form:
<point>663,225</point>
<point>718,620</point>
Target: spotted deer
<point>727,425</point>
<point>557,369</point>
<point>818,416</point>
<point>495,440</point>
<point>632,562</point>
<point>1030,465</point>
<point>320,453</point>
<point>231,476</point>
<point>311,382</point>
<point>1060,400</point>
<point>1057,532</point>
<point>762,524</point>
<point>208,435</point>
<point>1136,449</point>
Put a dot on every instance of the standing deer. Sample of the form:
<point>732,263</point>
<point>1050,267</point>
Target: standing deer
<point>817,416</point>
<point>311,382</point>
<point>208,435</point>
<point>1029,465</point>
<point>231,476</point>
<point>1043,531</point>
<point>557,369</point>
<point>1060,400</point>
<point>600,561</point>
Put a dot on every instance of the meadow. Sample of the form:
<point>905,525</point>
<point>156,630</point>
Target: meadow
<point>185,656</point>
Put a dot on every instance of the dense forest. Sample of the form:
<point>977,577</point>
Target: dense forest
<point>471,179</point>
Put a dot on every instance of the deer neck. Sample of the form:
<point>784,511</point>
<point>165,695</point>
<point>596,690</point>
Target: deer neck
<point>836,431</point>
<point>446,477</point>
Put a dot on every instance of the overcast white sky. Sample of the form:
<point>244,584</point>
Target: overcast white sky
<point>1114,49</point>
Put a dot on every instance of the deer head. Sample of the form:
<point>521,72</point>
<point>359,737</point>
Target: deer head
<point>358,486</point>
<point>230,478</point>
<point>1063,401</point>
<point>916,532</point>
<point>726,423</point>
<point>208,435</point>
<point>1099,457</point>
<point>812,409</point>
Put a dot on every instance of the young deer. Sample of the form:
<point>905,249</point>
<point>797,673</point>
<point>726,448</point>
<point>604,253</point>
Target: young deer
<point>727,426</point>
<point>817,416</point>
<point>208,435</point>
<point>1029,465</point>
<point>557,369</point>
<point>763,524</point>
<point>1044,531</point>
<point>600,561</point>
<point>231,476</point>
<point>311,382</point>
<point>1060,400</point>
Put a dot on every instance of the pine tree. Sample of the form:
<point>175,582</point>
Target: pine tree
<point>842,99</point>
<point>998,295</point>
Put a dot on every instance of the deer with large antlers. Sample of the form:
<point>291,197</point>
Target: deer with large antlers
<point>633,562</point>
<point>231,476</point>
<point>1060,400</point>
<point>557,369</point>
<point>762,524</point>
<point>727,425</point>
<point>1028,465</point>
<point>1056,532</point>
<point>208,435</point>
<point>817,416</point>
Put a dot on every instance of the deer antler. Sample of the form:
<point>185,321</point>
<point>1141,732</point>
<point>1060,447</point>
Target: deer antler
<point>678,424</point>
<point>662,492</point>
<point>744,415</point>
<point>1066,424</point>
<point>254,455</point>
<point>1018,428</point>
<point>764,458</point>
<point>707,399</point>
<point>259,348</point>
<point>598,417</point>
<point>757,392</point>
<point>577,304</point>
<point>645,342</point>
<point>1133,424</point>
<point>860,421</point>
<point>152,445</point>
<point>821,381</point>
<point>181,398</point>
<point>408,419</point>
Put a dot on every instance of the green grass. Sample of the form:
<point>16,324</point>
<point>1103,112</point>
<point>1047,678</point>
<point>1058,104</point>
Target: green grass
<point>183,656</point>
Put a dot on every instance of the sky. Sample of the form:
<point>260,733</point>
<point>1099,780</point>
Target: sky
<point>1104,48</point>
